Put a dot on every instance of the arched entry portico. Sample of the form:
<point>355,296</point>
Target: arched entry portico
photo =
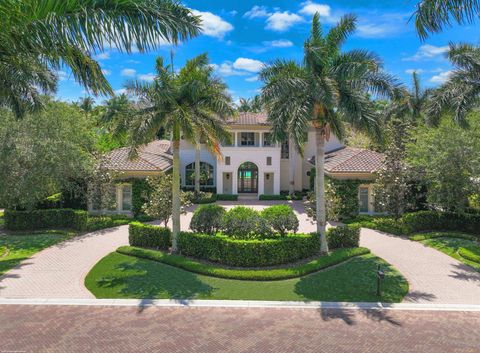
<point>248,178</point>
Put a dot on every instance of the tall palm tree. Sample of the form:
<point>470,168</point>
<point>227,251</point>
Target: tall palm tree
<point>86,105</point>
<point>190,103</point>
<point>409,104</point>
<point>118,112</point>
<point>431,16</point>
<point>329,88</point>
<point>39,37</point>
<point>459,95</point>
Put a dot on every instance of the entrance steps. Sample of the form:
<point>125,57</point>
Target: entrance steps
<point>247,197</point>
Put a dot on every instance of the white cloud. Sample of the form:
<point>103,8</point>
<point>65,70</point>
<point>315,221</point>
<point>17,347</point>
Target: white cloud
<point>120,91</point>
<point>310,8</point>
<point>62,75</point>
<point>133,61</point>
<point>281,21</point>
<point>106,72</point>
<point>442,77</point>
<point>257,11</point>
<point>102,56</point>
<point>247,64</point>
<point>147,77</point>
<point>226,69</point>
<point>411,71</point>
<point>213,25</point>
<point>252,79</point>
<point>280,43</point>
<point>427,51</point>
<point>128,72</point>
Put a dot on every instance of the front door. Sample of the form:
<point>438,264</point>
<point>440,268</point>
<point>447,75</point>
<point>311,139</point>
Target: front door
<point>248,178</point>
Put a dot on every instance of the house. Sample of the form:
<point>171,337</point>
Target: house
<point>251,165</point>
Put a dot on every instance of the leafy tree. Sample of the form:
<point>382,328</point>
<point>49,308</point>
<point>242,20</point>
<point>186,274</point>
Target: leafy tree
<point>330,88</point>
<point>86,105</point>
<point>190,103</point>
<point>38,37</point>
<point>432,16</point>
<point>43,154</point>
<point>253,105</point>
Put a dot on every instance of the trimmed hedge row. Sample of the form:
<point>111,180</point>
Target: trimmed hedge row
<point>296,196</point>
<point>343,237</point>
<point>248,253</point>
<point>149,236</point>
<point>227,197</point>
<point>49,218</point>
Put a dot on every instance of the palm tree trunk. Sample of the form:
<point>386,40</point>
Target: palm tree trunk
<point>197,169</point>
<point>320,189</point>
<point>292,161</point>
<point>176,187</point>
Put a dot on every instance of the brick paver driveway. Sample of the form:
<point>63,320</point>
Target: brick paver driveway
<point>75,329</point>
<point>59,271</point>
<point>433,276</point>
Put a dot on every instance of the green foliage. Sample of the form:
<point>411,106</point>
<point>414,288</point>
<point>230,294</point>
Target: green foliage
<point>333,258</point>
<point>227,197</point>
<point>248,253</point>
<point>343,237</point>
<point>444,221</point>
<point>432,235</point>
<point>149,236</point>
<point>41,219</point>
<point>297,196</point>
<point>245,223</point>
<point>141,191</point>
<point>281,218</point>
<point>471,253</point>
<point>200,198</point>
<point>106,221</point>
<point>382,223</point>
<point>207,219</point>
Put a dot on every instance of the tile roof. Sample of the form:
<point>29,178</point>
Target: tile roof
<point>154,156</point>
<point>246,118</point>
<point>352,160</point>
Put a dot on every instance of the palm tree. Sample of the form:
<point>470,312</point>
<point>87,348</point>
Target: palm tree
<point>328,89</point>
<point>253,105</point>
<point>460,93</point>
<point>117,114</point>
<point>432,16</point>
<point>39,37</point>
<point>409,105</point>
<point>86,105</point>
<point>190,103</point>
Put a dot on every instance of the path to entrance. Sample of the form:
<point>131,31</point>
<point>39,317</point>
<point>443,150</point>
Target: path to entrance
<point>433,276</point>
<point>72,329</point>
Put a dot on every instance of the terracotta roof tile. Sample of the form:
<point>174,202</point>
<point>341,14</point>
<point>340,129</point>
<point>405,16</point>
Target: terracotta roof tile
<point>352,160</point>
<point>249,119</point>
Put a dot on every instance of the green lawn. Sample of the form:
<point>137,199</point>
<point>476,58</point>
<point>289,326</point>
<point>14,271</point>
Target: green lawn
<point>16,248</point>
<point>122,276</point>
<point>450,245</point>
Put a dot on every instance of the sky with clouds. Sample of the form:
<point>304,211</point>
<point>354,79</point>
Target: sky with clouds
<point>241,36</point>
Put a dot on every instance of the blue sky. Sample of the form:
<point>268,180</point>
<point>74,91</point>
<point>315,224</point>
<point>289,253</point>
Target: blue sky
<point>240,36</point>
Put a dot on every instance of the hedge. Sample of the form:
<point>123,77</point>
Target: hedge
<point>343,237</point>
<point>48,218</point>
<point>248,253</point>
<point>148,236</point>
<point>227,197</point>
<point>432,235</point>
<point>470,253</point>
<point>333,258</point>
<point>296,196</point>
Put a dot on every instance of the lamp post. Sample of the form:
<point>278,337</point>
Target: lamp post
<point>380,277</point>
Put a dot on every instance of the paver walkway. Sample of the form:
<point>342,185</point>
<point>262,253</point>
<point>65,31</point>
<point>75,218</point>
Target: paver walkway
<point>59,271</point>
<point>434,277</point>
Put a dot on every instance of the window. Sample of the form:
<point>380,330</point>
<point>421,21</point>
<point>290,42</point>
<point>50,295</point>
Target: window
<point>363,199</point>
<point>206,174</point>
<point>267,139</point>
<point>269,160</point>
<point>231,142</point>
<point>285,153</point>
<point>247,139</point>
<point>227,160</point>
<point>127,198</point>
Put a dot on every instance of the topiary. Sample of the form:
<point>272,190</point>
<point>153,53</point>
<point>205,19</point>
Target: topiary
<point>281,218</point>
<point>245,223</point>
<point>207,219</point>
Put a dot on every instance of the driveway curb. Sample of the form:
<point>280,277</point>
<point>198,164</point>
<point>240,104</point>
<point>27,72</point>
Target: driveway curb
<point>241,304</point>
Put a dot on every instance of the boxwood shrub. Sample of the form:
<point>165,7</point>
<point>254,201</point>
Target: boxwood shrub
<point>148,236</point>
<point>248,253</point>
<point>227,197</point>
<point>207,219</point>
<point>245,223</point>
<point>281,218</point>
<point>343,237</point>
<point>48,218</point>
<point>433,220</point>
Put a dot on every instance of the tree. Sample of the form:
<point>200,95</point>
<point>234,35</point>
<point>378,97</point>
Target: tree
<point>86,105</point>
<point>330,88</point>
<point>252,105</point>
<point>432,16</point>
<point>39,37</point>
<point>43,154</point>
<point>189,103</point>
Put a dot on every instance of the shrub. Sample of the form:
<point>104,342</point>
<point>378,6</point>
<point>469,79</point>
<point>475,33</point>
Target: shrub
<point>283,196</point>
<point>200,197</point>
<point>50,218</point>
<point>148,236</point>
<point>471,253</point>
<point>207,219</point>
<point>106,221</point>
<point>434,220</point>
<point>281,218</point>
<point>245,223</point>
<point>432,235</point>
<point>248,253</point>
<point>227,197</point>
<point>343,237</point>
<point>383,224</point>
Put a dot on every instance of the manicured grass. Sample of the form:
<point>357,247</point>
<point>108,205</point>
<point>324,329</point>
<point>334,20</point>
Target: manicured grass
<point>122,276</point>
<point>449,243</point>
<point>16,248</point>
<point>214,270</point>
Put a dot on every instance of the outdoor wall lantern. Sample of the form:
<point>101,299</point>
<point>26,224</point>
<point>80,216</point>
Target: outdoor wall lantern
<point>380,277</point>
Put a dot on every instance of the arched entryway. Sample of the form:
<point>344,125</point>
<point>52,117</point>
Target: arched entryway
<point>248,178</point>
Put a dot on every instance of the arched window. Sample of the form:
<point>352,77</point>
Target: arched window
<point>206,174</point>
